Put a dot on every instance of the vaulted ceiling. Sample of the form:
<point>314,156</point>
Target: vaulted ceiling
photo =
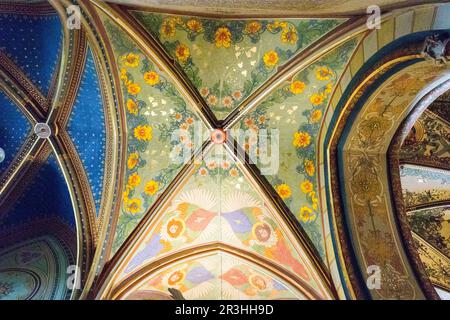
<point>425,177</point>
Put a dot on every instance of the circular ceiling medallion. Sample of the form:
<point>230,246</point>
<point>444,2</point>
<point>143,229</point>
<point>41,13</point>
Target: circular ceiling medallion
<point>42,130</point>
<point>218,136</point>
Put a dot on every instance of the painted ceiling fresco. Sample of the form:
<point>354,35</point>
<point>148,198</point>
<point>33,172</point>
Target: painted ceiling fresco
<point>226,60</point>
<point>87,127</point>
<point>269,6</point>
<point>362,149</point>
<point>218,276</point>
<point>154,110</point>
<point>296,110</point>
<point>14,128</point>
<point>433,225</point>
<point>422,185</point>
<point>46,195</point>
<point>35,270</point>
<point>218,204</point>
<point>428,142</point>
<point>436,264</point>
<point>25,39</point>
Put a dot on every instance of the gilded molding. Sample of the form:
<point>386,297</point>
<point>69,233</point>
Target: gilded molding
<point>15,78</point>
<point>22,170</point>
<point>115,137</point>
<point>358,93</point>
<point>41,9</point>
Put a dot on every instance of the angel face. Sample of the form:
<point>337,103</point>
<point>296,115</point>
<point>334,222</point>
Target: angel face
<point>258,282</point>
<point>263,234</point>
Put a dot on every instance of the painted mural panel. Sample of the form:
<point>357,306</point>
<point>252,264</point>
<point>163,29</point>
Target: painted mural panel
<point>368,202</point>
<point>428,142</point>
<point>296,111</point>
<point>227,60</point>
<point>218,204</point>
<point>34,270</point>
<point>437,265</point>
<point>190,218</point>
<point>433,225</point>
<point>154,111</point>
<point>216,276</point>
<point>422,185</point>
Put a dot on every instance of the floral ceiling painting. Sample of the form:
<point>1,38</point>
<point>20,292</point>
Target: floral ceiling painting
<point>154,110</point>
<point>296,110</point>
<point>165,151</point>
<point>227,60</point>
<point>42,272</point>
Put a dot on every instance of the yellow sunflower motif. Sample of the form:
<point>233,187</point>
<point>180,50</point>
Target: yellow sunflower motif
<point>133,160</point>
<point>309,167</point>
<point>316,115</point>
<point>133,206</point>
<point>301,139</point>
<point>151,187</point>
<point>306,187</point>
<point>270,58</point>
<point>252,27</point>
<point>324,73</point>
<point>126,194</point>
<point>123,75</point>
<point>194,25</point>
<point>289,35</point>
<point>151,77</point>
<point>317,99</point>
<point>315,202</point>
<point>273,27</point>
<point>329,88</point>
<point>132,107</point>
<point>297,87</point>
<point>223,37</point>
<point>168,28</point>
<point>182,53</point>
<point>133,88</point>
<point>134,180</point>
<point>143,133</point>
<point>131,60</point>
<point>284,191</point>
<point>306,214</point>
